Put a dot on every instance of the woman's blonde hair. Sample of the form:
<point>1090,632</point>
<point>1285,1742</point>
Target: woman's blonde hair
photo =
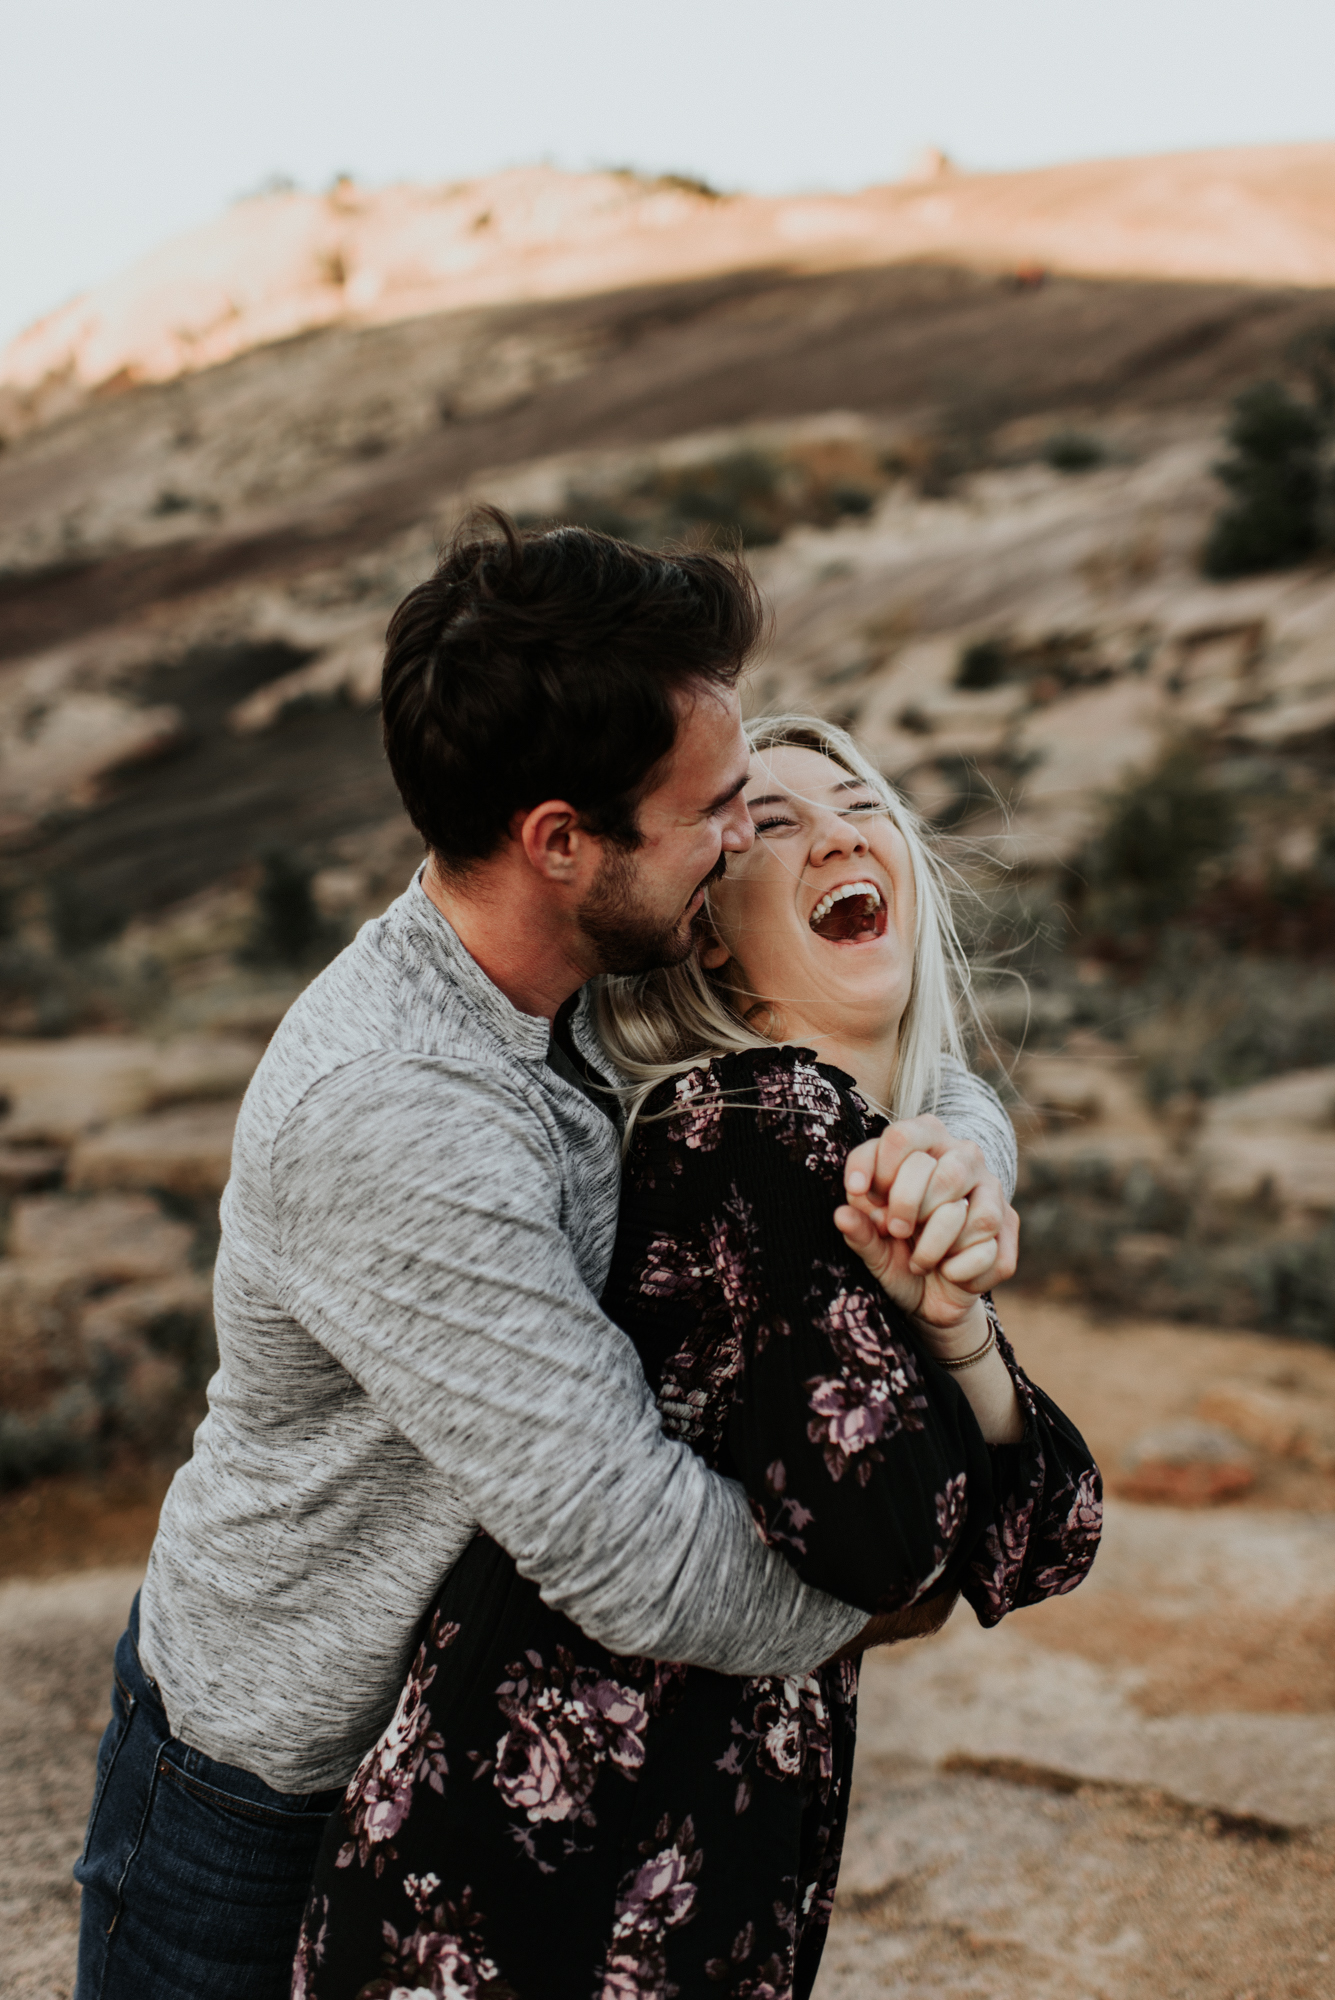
<point>658,1024</point>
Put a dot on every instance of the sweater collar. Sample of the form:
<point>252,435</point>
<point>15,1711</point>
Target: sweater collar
<point>528,1034</point>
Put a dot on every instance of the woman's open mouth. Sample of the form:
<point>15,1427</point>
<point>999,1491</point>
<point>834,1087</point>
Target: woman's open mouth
<point>854,913</point>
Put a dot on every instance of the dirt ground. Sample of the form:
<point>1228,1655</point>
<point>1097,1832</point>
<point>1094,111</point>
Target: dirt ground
<point>1127,1795</point>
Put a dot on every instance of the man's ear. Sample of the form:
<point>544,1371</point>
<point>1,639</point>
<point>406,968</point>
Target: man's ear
<point>713,953</point>
<point>552,839</point>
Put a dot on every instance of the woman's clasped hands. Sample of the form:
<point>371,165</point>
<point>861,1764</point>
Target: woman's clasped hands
<point>929,1220</point>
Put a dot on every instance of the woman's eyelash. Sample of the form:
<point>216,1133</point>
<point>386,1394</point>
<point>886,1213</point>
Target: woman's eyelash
<point>862,806</point>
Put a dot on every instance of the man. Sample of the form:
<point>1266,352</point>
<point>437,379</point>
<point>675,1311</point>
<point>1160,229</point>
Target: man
<point>418,1223</point>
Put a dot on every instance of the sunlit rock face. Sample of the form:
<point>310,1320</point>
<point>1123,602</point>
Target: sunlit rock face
<point>284,263</point>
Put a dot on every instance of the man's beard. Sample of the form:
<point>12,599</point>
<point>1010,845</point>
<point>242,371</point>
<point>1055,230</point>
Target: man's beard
<point>627,938</point>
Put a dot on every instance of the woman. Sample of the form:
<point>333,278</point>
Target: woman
<point>542,1819</point>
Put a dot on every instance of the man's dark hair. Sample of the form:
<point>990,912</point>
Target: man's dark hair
<point>551,665</point>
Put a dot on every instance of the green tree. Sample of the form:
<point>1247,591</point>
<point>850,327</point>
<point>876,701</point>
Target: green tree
<point>1279,470</point>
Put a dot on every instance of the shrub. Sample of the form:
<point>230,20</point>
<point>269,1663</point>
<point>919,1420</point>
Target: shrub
<point>1159,832</point>
<point>985,664</point>
<point>288,929</point>
<point>1277,474</point>
<point>1074,451</point>
<point>752,495</point>
<point>740,491</point>
<point>79,920</point>
<point>1227,1022</point>
<point>851,500</point>
<point>1294,1285</point>
<point>58,1438</point>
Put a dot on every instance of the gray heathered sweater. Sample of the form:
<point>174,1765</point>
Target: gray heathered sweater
<point>418,1224</point>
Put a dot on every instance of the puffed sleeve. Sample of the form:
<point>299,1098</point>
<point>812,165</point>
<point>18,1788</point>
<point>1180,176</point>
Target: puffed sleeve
<point>861,1456</point>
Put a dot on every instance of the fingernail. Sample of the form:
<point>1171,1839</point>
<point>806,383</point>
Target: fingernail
<point>857,1183</point>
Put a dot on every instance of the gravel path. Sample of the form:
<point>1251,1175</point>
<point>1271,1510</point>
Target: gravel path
<point>56,1641</point>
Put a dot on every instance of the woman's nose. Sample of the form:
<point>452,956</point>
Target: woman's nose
<point>836,835</point>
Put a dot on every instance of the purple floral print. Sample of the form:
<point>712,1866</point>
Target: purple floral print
<point>735,1256</point>
<point>697,1112</point>
<point>876,1392</point>
<point>310,1948</point>
<point>772,1980</point>
<point>410,1750</point>
<point>442,1957</point>
<point>951,1512</point>
<point>1000,1561</point>
<point>670,1273</point>
<point>803,1111</point>
<point>699,1379</point>
<point>787,1734</point>
<point>652,1900</point>
<point>950,1509</point>
<point>780,1518</point>
<point>1071,1543</point>
<point>565,1723</point>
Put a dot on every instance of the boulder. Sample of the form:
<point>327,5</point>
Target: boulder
<point>26,1167</point>
<point>1302,1099</point>
<point>77,744</point>
<point>187,1151</point>
<point>108,1239</point>
<point>1080,1090</point>
<point>39,1338</point>
<point>58,1090</point>
<point>1291,1423</point>
<point>119,1322</point>
<point>1294,1168</point>
<point>1188,1464</point>
<point>144,1346</point>
<point>1089,741</point>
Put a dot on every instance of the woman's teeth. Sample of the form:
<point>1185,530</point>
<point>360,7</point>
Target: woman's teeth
<point>845,889</point>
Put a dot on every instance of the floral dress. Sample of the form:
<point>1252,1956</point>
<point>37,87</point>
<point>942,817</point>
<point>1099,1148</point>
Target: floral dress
<point>544,1820</point>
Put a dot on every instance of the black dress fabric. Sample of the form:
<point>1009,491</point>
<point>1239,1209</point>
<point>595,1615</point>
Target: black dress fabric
<point>544,1820</point>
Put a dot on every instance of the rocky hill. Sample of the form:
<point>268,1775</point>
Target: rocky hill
<point>967,431</point>
<point>289,262</point>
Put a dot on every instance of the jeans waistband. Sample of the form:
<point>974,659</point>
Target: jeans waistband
<point>131,1669</point>
<point>236,1782</point>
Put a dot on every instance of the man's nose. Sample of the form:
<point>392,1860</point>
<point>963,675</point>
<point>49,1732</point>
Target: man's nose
<point>739,829</point>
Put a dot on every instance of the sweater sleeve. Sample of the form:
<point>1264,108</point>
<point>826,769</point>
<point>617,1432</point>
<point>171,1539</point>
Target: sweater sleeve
<point>971,1109</point>
<point>422,1243</point>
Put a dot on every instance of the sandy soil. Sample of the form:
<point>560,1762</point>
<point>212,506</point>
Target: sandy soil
<point>1127,1795</point>
<point>983,1887</point>
<point>957,1883</point>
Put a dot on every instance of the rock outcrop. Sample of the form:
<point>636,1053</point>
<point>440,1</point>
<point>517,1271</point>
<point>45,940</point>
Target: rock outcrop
<point>105,1322</point>
<point>288,262</point>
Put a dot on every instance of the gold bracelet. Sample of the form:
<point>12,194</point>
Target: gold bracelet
<point>967,1360</point>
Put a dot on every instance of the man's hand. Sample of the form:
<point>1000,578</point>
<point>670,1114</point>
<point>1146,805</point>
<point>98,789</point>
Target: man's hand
<point>889,1628</point>
<point>929,1219</point>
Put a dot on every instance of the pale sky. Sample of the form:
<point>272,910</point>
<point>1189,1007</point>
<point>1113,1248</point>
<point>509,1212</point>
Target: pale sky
<point>121,125</point>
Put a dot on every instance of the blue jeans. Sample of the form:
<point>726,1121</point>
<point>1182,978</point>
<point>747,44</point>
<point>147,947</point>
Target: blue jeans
<point>194,1874</point>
